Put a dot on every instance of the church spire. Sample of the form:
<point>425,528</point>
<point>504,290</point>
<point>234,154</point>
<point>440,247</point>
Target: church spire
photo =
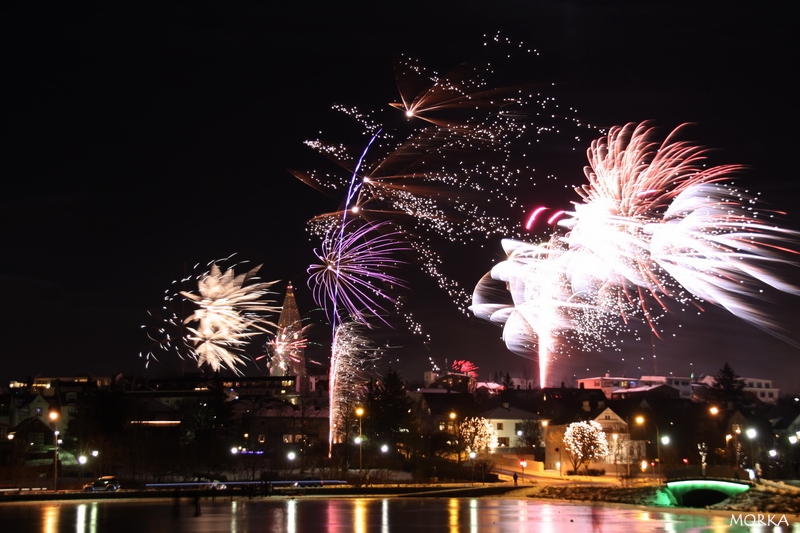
<point>288,347</point>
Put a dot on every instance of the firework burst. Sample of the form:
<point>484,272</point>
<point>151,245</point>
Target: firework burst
<point>286,350</point>
<point>655,226</point>
<point>228,310</point>
<point>455,181</point>
<point>353,276</point>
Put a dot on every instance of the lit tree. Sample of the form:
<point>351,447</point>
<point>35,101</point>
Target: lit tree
<point>584,442</point>
<point>478,434</point>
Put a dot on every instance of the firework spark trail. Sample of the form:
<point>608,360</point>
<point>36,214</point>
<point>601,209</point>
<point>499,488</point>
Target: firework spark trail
<point>229,311</point>
<point>656,226</point>
<point>456,178</point>
<point>452,181</point>
<point>351,359</point>
<point>715,244</point>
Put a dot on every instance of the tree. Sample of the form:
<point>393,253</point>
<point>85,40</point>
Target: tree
<point>530,433</point>
<point>728,387</point>
<point>388,409</point>
<point>584,442</point>
<point>478,434</point>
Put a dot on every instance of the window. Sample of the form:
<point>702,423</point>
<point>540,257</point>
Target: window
<point>442,426</point>
<point>502,441</point>
<point>262,439</point>
<point>517,427</point>
<point>499,426</point>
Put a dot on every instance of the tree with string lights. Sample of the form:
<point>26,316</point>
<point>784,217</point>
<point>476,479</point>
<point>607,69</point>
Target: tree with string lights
<point>585,442</point>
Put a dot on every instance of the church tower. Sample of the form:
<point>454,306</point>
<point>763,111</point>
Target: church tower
<point>288,347</point>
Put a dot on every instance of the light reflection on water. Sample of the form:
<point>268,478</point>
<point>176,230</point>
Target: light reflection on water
<point>360,515</point>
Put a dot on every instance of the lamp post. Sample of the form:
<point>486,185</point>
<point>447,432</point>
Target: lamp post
<point>751,434</point>
<point>737,430</point>
<point>360,415</point>
<point>455,435</point>
<point>54,419</point>
<point>641,420</point>
<point>472,467</point>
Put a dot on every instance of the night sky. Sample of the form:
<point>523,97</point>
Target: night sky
<point>138,141</point>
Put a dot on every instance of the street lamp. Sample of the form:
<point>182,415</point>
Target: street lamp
<point>751,434</point>
<point>455,434</point>
<point>472,467</point>
<point>641,420</point>
<point>54,419</point>
<point>737,430</point>
<point>360,415</point>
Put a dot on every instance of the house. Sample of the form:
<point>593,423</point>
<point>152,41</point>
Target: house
<point>607,383</point>
<point>509,422</point>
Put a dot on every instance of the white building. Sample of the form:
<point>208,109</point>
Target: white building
<point>508,421</point>
<point>760,388</point>
<point>607,383</point>
<point>682,384</point>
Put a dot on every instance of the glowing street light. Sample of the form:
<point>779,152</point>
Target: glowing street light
<point>54,419</point>
<point>751,434</point>
<point>360,415</point>
<point>641,420</point>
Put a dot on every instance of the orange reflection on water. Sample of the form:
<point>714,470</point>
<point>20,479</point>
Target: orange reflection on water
<point>50,519</point>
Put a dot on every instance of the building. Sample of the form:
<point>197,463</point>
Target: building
<point>607,383</point>
<point>509,423</point>
<point>287,349</point>
<point>760,388</point>
<point>682,384</point>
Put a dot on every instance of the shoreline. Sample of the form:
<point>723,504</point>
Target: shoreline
<point>501,491</point>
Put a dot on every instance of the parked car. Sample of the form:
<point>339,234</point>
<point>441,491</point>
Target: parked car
<point>105,483</point>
